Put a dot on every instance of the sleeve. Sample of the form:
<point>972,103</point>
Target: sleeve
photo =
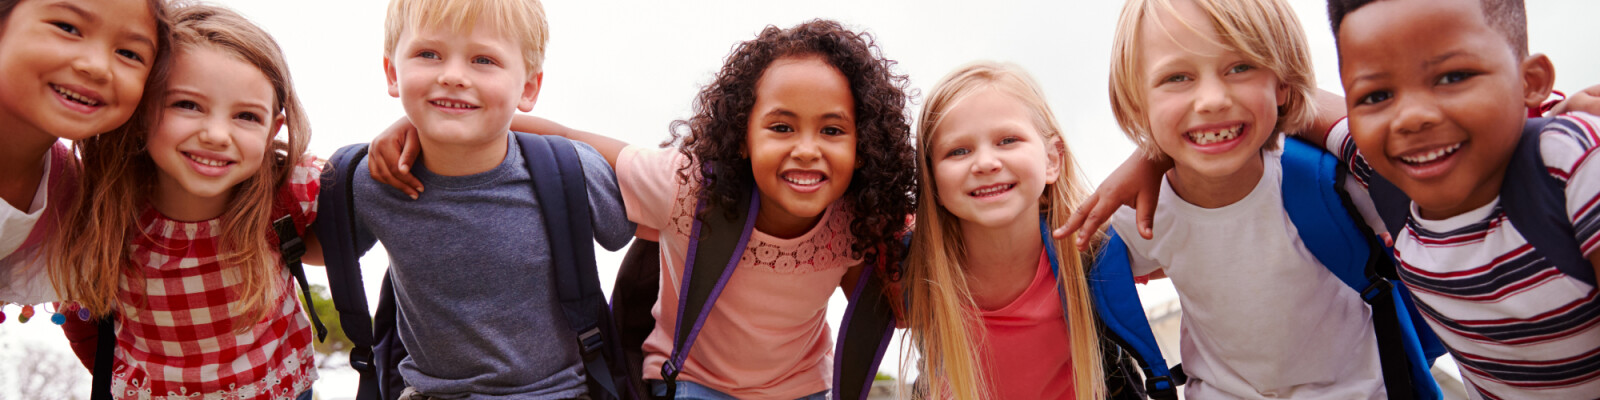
<point>1344,147</point>
<point>1566,145</point>
<point>305,184</point>
<point>25,278</point>
<point>648,179</point>
<point>1124,221</point>
<point>607,212</point>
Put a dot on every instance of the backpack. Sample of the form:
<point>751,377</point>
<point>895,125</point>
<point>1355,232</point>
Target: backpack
<point>1534,201</point>
<point>288,224</point>
<point>1317,205</point>
<point>558,181</point>
<point>716,241</point>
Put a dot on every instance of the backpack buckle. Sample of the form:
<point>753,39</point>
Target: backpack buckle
<point>590,342</point>
<point>289,243</point>
<point>1378,288</point>
<point>1161,387</point>
<point>361,359</point>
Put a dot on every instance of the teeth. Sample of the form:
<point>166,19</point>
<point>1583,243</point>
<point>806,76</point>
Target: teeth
<point>74,96</point>
<point>992,190</point>
<point>803,182</point>
<point>207,161</point>
<point>1432,155</point>
<point>452,104</point>
<point>1221,135</point>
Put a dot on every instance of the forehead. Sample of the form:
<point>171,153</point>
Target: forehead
<point>1184,31</point>
<point>982,110</point>
<point>1416,32</point>
<point>804,79</point>
<point>220,73</point>
<point>132,18</point>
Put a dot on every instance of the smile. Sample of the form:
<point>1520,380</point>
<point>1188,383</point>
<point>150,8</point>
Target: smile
<point>804,181</point>
<point>1207,137</point>
<point>75,96</point>
<point>1431,156</point>
<point>992,190</point>
<point>453,104</point>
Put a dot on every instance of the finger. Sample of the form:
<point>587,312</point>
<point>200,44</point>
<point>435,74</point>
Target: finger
<point>1146,214</point>
<point>408,155</point>
<point>1560,108</point>
<point>1075,220</point>
<point>1095,221</point>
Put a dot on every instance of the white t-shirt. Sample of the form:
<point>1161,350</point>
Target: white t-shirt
<point>22,271</point>
<point>1261,317</point>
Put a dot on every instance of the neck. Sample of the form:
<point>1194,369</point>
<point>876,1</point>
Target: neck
<point>1206,191</point>
<point>1001,261</point>
<point>176,203</point>
<point>461,159</point>
<point>20,169</point>
<point>780,224</point>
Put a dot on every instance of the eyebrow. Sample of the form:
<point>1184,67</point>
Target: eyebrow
<point>73,8</point>
<point>779,112</point>
<point>196,93</point>
<point>1442,58</point>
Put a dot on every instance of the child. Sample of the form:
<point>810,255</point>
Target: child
<point>985,315</point>
<point>71,71</point>
<point>171,231</point>
<point>1439,92</point>
<point>810,117</point>
<point>1209,84</point>
<point>476,317</point>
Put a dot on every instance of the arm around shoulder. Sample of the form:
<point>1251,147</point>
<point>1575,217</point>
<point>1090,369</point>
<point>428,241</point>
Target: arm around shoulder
<point>608,147</point>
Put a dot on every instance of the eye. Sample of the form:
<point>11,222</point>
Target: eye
<point>248,116</point>
<point>833,131</point>
<point>1241,68</point>
<point>959,151</point>
<point>483,60</point>
<point>1453,77</point>
<point>66,27</point>
<point>1374,98</point>
<point>1176,78</point>
<point>1009,140</point>
<point>781,128</point>
<point>131,55</point>
<point>428,54</point>
<point>186,105</point>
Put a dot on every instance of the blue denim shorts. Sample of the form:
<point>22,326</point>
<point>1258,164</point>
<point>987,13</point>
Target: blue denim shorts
<point>694,391</point>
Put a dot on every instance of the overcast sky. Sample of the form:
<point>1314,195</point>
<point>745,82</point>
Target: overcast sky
<point>628,68</point>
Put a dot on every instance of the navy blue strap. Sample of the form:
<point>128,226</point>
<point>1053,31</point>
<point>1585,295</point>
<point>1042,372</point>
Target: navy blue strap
<point>335,227</point>
<point>1536,203</point>
<point>564,204</point>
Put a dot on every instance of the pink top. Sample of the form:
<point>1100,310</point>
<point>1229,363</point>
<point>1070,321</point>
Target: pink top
<point>175,332</point>
<point>1027,348</point>
<point>766,337</point>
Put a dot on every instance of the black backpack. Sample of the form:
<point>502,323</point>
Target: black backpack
<point>716,241</point>
<point>558,182</point>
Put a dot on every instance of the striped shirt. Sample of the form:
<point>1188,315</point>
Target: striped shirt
<point>177,313</point>
<point>1517,326</point>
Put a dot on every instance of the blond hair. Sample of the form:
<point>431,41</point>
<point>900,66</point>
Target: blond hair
<point>519,20</point>
<point>1265,32</point>
<point>88,253</point>
<point>943,320</point>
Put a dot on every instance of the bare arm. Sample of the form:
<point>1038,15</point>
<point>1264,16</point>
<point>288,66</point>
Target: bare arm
<point>608,147</point>
<point>1586,100</point>
<point>394,151</point>
<point>1136,183</point>
<point>1330,109</point>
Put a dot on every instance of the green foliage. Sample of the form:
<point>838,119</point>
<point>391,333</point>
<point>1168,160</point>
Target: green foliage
<point>322,304</point>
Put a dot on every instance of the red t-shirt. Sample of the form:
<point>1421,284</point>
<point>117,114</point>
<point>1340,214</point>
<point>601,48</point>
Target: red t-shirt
<point>1027,348</point>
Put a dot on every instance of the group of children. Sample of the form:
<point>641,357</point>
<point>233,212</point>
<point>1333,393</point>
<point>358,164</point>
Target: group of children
<point>189,142</point>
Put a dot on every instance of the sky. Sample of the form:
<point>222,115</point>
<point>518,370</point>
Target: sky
<point>629,68</point>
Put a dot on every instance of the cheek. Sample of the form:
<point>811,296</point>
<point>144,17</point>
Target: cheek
<point>947,178</point>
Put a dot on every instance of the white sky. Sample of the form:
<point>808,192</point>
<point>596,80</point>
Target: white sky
<point>628,68</point>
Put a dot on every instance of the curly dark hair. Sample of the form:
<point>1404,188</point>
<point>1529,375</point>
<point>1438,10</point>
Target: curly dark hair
<point>881,189</point>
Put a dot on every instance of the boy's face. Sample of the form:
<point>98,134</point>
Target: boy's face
<point>74,69</point>
<point>1437,98</point>
<point>1210,109</point>
<point>460,89</point>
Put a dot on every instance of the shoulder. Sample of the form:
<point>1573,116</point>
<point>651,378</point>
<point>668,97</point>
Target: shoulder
<point>1566,141</point>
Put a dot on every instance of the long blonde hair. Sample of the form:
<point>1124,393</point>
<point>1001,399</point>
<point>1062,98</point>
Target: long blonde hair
<point>90,250</point>
<point>941,312</point>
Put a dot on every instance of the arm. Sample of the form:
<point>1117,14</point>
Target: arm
<point>1330,109</point>
<point>313,254</point>
<point>1136,183</point>
<point>607,146</point>
<point>397,148</point>
<point>1587,100</point>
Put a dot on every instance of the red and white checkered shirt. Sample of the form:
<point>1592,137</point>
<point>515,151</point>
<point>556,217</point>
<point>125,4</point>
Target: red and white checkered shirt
<point>175,332</point>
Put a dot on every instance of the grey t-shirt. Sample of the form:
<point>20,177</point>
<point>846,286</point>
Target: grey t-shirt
<point>472,277</point>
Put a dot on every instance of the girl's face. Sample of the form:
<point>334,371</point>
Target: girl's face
<point>1210,108</point>
<point>74,68</point>
<point>217,118</point>
<point>990,162</point>
<point>801,142</point>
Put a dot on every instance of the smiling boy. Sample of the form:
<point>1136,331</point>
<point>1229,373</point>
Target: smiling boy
<point>1438,93</point>
<point>477,307</point>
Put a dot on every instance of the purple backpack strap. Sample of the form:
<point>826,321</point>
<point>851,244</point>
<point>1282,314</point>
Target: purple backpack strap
<point>715,244</point>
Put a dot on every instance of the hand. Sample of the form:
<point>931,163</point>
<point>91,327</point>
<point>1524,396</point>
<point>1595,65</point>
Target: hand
<point>1587,100</point>
<point>391,154</point>
<point>1136,183</point>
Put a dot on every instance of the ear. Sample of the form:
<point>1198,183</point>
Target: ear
<point>530,92</point>
<point>1283,94</point>
<point>277,125</point>
<point>388,72</point>
<point>1055,152</point>
<point>1538,79</point>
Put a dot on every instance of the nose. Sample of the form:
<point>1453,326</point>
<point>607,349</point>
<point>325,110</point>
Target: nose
<point>806,149</point>
<point>1212,96</point>
<point>453,75</point>
<point>94,65</point>
<point>984,162</point>
<point>214,134</point>
<point>1416,112</point>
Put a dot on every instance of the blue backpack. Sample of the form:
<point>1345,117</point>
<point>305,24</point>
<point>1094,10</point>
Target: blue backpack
<point>558,182</point>
<point>1316,203</point>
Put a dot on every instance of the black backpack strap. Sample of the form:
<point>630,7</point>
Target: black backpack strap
<point>336,231</point>
<point>634,293</point>
<point>716,242</point>
<point>864,335</point>
<point>105,346</point>
<point>564,204</point>
<point>291,248</point>
<point>1536,203</point>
